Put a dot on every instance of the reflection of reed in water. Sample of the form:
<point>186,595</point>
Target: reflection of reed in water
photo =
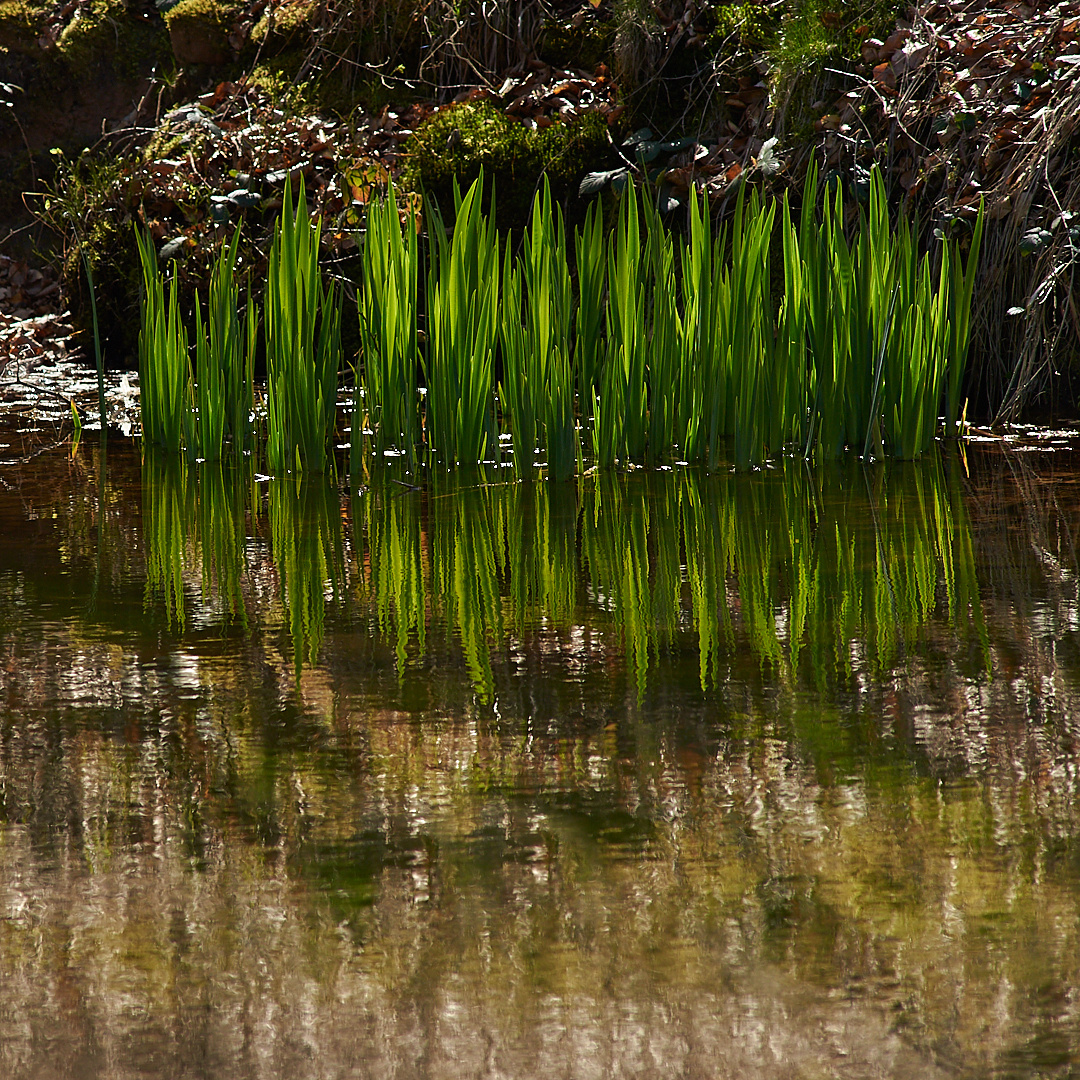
<point>834,569</point>
<point>305,536</point>
<point>464,571</point>
<point>223,495</point>
<point>168,510</point>
<point>474,555</point>
<point>195,520</point>
<point>614,547</point>
<point>538,526</point>
<point>394,576</point>
<point>841,567</point>
<point>839,562</point>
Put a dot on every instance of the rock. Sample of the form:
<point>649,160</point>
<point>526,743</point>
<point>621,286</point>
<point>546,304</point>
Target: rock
<point>198,32</point>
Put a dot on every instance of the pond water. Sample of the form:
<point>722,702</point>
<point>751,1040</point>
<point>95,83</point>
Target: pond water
<point>646,775</point>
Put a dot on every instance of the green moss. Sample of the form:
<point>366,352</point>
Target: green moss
<point>459,141</point>
<point>582,47</point>
<point>20,24</point>
<point>742,26</point>
<point>90,40</point>
<point>105,40</point>
<point>291,22</point>
<point>204,12</point>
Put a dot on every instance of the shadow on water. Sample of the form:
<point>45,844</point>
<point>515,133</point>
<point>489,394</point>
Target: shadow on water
<point>648,774</point>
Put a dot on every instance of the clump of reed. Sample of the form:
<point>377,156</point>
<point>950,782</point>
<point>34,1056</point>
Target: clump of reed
<point>462,328</point>
<point>164,364</point>
<point>536,391</point>
<point>387,308</point>
<point>677,348</point>
<point>196,408</point>
<point>303,345</point>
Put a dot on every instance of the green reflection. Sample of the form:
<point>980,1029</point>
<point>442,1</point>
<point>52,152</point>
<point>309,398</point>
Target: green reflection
<point>306,540</point>
<point>195,521</point>
<point>816,572</point>
<point>168,515</point>
<point>465,585</point>
<point>393,574</point>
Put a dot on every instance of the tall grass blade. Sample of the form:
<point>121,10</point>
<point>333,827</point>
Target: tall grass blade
<point>303,345</point>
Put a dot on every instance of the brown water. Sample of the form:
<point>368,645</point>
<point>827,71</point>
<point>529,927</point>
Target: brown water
<point>653,775</point>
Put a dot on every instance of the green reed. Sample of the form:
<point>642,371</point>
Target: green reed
<point>589,317</point>
<point>888,338</point>
<point>677,349</point>
<point>303,345</point>
<point>387,308</point>
<point>537,388</point>
<point>164,365</point>
<point>197,410</point>
<point>98,359</point>
<point>669,395</point>
<point>620,411</point>
<point>463,320</point>
<point>230,360</point>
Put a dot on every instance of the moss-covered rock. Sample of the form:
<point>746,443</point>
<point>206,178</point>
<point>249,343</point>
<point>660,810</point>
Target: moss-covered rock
<point>107,39</point>
<point>459,141</point>
<point>199,31</point>
<point>20,25</point>
<point>284,24</point>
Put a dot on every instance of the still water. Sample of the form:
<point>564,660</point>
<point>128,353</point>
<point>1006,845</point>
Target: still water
<point>665,774</point>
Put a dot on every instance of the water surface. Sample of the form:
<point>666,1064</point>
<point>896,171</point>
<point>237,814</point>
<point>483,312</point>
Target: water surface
<point>647,775</point>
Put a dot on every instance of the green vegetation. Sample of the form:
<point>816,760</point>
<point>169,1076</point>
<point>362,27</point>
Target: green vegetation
<point>164,366</point>
<point>458,144</point>
<point>303,345</point>
<point>98,359</point>
<point>537,387</point>
<point>387,308</point>
<point>108,39</point>
<point>698,362</point>
<point>803,39</point>
<point>197,409</point>
<point>462,307</point>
